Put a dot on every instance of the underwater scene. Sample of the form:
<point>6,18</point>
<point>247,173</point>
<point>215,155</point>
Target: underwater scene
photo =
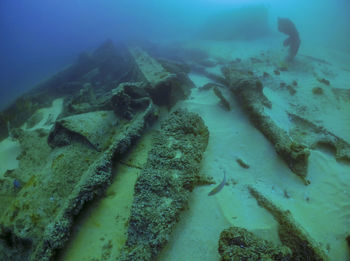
<point>202,130</point>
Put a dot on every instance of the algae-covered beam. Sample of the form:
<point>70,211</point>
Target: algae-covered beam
<point>163,188</point>
<point>249,92</point>
<point>290,233</point>
<point>239,244</point>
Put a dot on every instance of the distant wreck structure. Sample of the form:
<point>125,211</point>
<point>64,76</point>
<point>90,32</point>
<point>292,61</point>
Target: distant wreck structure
<point>286,26</point>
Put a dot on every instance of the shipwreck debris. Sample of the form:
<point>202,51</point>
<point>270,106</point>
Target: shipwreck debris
<point>290,233</point>
<point>225,103</point>
<point>163,188</point>
<point>249,92</point>
<point>239,244</point>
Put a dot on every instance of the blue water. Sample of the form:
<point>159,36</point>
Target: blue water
<point>39,37</point>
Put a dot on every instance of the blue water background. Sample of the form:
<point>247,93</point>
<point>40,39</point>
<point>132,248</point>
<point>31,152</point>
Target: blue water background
<point>40,37</point>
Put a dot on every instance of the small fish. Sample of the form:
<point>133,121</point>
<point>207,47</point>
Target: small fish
<point>218,187</point>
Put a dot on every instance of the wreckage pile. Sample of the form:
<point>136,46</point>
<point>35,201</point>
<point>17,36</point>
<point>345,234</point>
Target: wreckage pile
<point>109,99</point>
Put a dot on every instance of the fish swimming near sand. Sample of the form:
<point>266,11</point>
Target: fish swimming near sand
<point>219,187</point>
